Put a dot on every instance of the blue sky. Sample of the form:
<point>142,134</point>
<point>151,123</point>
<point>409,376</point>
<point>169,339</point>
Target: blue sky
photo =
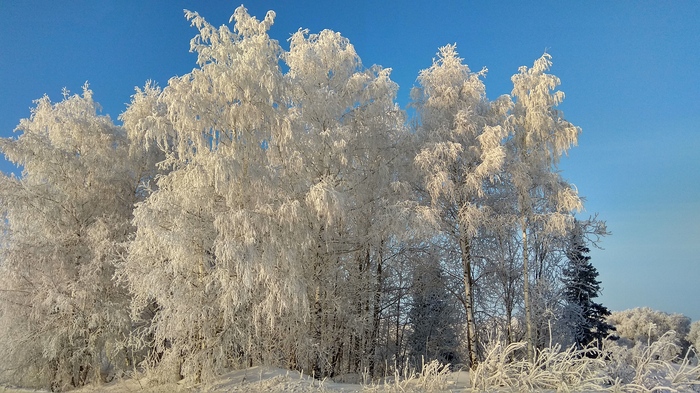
<point>630,71</point>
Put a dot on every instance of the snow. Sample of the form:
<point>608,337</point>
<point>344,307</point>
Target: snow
<point>271,379</point>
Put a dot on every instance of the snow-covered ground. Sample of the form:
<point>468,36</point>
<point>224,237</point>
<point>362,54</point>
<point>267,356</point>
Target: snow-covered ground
<point>555,370</point>
<point>270,379</point>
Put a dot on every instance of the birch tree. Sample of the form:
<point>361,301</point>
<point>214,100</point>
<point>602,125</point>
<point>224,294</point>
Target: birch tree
<point>63,318</point>
<point>343,164</point>
<point>210,254</point>
<point>500,283</point>
<point>461,149</point>
<point>540,136</point>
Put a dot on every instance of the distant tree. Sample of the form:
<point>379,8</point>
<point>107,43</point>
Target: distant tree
<point>643,326</point>
<point>586,318</point>
<point>693,336</point>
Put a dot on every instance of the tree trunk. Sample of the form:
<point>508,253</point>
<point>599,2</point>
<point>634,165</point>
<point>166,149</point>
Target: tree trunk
<point>526,295</point>
<point>509,319</point>
<point>374,341</point>
<point>469,299</point>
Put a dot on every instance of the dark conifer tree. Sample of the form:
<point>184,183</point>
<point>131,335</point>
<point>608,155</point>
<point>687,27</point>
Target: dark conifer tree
<point>433,318</point>
<point>587,318</point>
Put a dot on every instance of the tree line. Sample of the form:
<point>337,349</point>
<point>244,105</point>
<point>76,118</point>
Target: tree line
<point>278,207</point>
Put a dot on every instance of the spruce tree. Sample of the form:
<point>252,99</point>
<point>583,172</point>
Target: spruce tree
<point>433,318</point>
<point>581,286</point>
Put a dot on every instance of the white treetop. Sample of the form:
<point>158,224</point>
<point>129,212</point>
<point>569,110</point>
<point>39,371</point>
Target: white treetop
<point>540,137</point>
<point>462,136</point>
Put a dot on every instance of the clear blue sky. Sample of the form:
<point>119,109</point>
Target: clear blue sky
<point>630,71</point>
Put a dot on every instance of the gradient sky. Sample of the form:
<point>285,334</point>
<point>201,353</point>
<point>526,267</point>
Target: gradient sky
<point>630,71</point>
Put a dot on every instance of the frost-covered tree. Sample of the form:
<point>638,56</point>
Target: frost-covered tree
<point>277,206</point>
<point>63,320</point>
<point>645,326</point>
<point>343,165</point>
<point>460,149</point>
<point>540,136</point>
<point>500,284</point>
<point>211,253</point>
<point>586,317</point>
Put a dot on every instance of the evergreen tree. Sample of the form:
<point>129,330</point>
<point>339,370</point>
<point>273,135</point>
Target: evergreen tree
<point>433,318</point>
<point>581,286</point>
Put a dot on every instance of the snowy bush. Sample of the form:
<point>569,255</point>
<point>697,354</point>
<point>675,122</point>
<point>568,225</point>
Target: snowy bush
<point>646,326</point>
